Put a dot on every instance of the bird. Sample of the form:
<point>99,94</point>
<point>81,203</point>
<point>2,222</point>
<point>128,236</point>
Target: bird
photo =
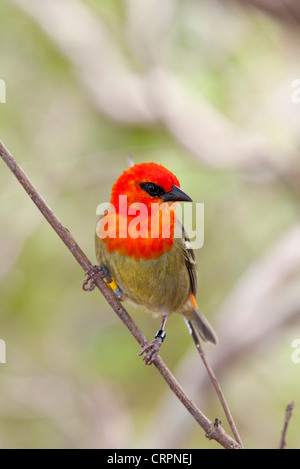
<point>145,255</point>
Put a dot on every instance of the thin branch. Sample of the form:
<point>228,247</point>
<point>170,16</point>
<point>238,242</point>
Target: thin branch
<point>288,415</point>
<point>216,385</point>
<point>286,12</point>
<point>212,431</point>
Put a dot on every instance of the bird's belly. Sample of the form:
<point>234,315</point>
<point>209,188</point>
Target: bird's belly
<point>158,284</point>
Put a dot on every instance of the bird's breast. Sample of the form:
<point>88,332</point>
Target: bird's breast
<point>159,284</point>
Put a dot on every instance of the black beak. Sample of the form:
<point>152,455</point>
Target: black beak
<point>176,195</point>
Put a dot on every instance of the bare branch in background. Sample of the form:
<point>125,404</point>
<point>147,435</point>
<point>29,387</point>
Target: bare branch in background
<point>284,10</point>
<point>288,415</point>
<point>154,97</point>
<point>86,43</point>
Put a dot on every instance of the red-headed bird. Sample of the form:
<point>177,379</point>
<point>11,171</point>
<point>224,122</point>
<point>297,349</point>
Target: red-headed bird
<point>157,271</point>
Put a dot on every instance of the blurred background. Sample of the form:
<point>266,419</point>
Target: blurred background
<point>206,88</point>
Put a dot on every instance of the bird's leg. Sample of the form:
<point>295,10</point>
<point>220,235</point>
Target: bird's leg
<point>151,349</point>
<point>96,271</point>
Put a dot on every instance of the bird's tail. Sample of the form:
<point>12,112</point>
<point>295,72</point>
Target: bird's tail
<point>203,328</point>
<point>201,324</point>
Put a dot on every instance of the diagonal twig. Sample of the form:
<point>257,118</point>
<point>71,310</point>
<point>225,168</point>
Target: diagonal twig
<point>211,430</point>
<point>288,415</point>
<point>216,385</point>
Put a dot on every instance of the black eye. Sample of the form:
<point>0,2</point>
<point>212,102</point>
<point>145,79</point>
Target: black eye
<point>153,189</point>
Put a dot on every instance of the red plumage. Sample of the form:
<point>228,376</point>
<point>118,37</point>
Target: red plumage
<point>129,183</point>
<point>145,247</point>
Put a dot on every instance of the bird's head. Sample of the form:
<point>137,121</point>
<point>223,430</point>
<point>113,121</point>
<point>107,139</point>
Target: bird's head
<point>148,183</point>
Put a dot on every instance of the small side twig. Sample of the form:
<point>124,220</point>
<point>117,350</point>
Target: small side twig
<point>288,415</point>
<point>212,431</point>
<point>217,387</point>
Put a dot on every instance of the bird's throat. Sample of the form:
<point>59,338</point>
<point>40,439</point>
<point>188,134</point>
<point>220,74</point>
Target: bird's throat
<point>142,236</point>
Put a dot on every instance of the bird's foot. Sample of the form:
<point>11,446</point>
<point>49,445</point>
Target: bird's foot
<point>94,272</point>
<point>100,271</point>
<point>151,350</point>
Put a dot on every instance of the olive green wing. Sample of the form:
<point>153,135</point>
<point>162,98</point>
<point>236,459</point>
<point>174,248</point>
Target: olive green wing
<point>183,243</point>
